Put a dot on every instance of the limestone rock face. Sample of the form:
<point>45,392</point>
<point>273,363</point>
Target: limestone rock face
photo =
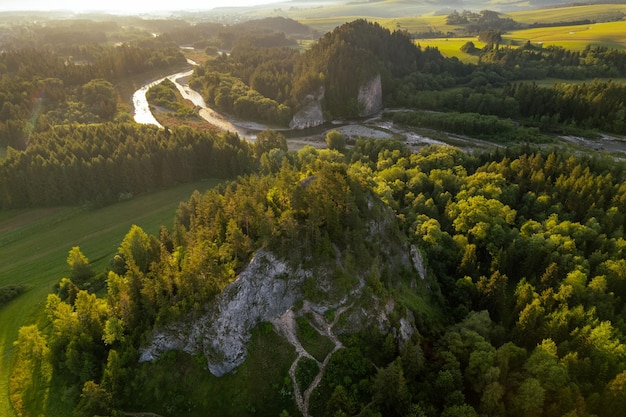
<point>371,97</point>
<point>418,261</point>
<point>262,292</point>
<point>311,114</point>
<point>270,287</point>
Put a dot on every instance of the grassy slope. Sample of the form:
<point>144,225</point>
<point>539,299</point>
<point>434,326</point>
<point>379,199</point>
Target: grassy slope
<point>451,47</point>
<point>35,243</point>
<point>597,13</point>
<point>253,389</point>
<point>612,34</point>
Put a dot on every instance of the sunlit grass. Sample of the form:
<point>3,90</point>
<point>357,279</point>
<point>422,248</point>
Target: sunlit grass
<point>412,24</point>
<point>451,47</point>
<point>35,243</point>
<point>612,34</point>
<point>418,24</point>
<point>326,24</point>
<point>597,13</point>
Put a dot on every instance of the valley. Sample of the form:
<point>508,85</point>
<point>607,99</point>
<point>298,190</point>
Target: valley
<point>440,234</point>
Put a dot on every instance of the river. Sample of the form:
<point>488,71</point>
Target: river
<point>372,127</point>
<point>144,115</point>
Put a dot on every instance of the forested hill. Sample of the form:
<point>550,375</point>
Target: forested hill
<point>518,311</point>
<point>267,83</point>
<point>349,56</point>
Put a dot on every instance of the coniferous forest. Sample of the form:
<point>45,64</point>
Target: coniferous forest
<point>425,283</point>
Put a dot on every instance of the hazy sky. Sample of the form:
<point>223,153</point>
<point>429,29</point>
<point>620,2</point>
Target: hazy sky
<point>125,5</point>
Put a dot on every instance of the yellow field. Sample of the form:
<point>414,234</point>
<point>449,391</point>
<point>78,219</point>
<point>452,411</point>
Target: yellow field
<point>612,34</point>
<point>452,47</point>
<point>418,24</point>
<point>598,13</point>
<point>415,24</point>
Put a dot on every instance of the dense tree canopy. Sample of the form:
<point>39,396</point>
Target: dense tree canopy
<point>520,310</point>
<point>524,251</point>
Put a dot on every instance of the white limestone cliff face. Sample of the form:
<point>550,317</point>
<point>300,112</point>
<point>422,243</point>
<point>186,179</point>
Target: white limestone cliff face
<point>371,97</point>
<point>418,261</point>
<point>311,114</point>
<point>262,292</point>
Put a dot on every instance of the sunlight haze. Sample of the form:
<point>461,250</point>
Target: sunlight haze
<point>126,6</point>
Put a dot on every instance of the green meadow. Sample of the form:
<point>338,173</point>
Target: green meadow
<point>451,47</point>
<point>35,244</point>
<point>610,34</point>
<point>413,24</point>
<point>575,37</point>
<point>595,13</point>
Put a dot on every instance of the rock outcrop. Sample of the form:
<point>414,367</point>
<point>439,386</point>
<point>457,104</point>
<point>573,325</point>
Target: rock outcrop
<point>311,114</point>
<point>371,97</point>
<point>269,287</point>
<point>262,292</point>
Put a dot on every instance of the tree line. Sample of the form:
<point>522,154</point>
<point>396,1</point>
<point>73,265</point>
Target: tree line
<point>43,87</point>
<point>500,86</point>
<point>272,83</point>
<point>101,163</point>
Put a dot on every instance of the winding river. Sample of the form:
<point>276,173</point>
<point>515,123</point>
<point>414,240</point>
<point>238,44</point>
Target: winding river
<point>373,127</point>
<point>144,115</point>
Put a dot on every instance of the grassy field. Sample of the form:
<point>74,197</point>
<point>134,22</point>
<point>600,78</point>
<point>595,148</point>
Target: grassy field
<point>400,15</point>
<point>451,47</point>
<point>612,34</point>
<point>596,13</point>
<point>35,243</point>
<point>609,33</point>
<point>412,24</point>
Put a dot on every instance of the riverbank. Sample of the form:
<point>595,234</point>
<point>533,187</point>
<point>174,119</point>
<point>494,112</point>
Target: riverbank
<point>376,127</point>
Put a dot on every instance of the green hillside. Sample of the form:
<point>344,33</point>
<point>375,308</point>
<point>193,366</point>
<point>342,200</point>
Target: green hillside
<point>610,34</point>
<point>361,277</point>
<point>35,245</point>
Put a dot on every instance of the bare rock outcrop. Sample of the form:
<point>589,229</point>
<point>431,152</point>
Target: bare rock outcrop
<point>262,292</point>
<point>371,97</point>
<point>311,114</point>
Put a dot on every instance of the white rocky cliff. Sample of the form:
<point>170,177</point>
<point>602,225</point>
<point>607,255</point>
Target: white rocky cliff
<point>262,292</point>
<point>370,99</point>
<point>311,114</point>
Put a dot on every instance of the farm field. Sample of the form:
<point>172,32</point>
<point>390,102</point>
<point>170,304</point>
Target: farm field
<point>451,47</point>
<point>596,13</point>
<point>35,245</point>
<point>575,37</point>
<point>611,34</point>
<point>413,24</point>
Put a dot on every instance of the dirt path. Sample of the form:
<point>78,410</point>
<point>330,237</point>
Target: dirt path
<point>286,326</point>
